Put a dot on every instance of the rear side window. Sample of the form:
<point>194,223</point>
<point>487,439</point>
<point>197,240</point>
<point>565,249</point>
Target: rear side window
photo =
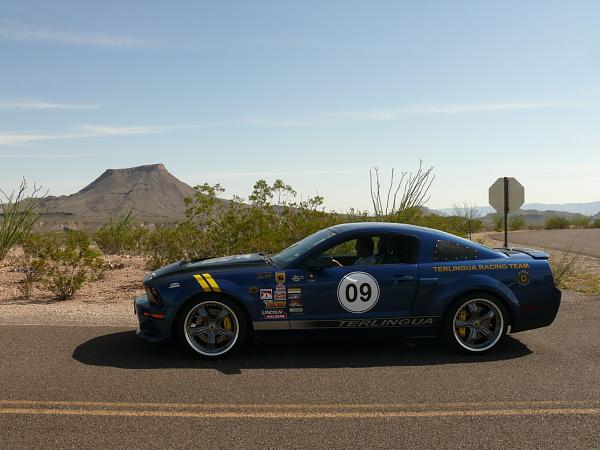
<point>453,251</point>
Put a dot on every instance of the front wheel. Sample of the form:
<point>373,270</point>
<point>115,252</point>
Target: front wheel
<point>212,327</point>
<point>476,323</point>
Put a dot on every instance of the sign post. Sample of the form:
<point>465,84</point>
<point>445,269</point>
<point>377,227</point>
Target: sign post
<point>506,196</point>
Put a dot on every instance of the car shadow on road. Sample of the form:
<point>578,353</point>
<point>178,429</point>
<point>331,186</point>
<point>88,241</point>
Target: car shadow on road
<point>126,350</point>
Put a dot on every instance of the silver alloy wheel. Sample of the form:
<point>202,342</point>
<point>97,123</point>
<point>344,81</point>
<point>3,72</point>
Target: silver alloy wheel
<point>211,328</point>
<point>478,325</point>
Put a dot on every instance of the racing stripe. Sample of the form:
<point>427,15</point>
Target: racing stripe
<point>212,282</point>
<point>202,283</point>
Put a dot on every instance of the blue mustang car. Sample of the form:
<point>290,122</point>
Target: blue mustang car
<point>353,279</point>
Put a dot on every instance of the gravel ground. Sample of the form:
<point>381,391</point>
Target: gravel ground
<point>106,302</point>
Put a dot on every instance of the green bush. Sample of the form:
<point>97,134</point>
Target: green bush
<point>120,237</point>
<point>556,223</point>
<point>596,223</point>
<point>516,223</point>
<point>168,244</point>
<point>62,262</point>
<point>581,221</point>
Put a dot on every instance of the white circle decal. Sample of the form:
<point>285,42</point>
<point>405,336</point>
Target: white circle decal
<point>358,292</point>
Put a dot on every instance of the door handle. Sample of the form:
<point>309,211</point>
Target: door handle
<point>400,278</point>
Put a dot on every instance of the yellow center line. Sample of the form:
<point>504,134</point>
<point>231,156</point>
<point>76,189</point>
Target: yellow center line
<point>309,406</point>
<point>302,415</point>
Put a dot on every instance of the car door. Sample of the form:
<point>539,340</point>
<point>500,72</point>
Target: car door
<point>351,296</point>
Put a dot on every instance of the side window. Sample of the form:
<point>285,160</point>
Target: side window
<point>346,248</point>
<point>374,250</point>
<point>453,251</point>
<point>397,250</point>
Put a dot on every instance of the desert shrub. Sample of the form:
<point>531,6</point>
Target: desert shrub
<point>19,215</point>
<point>164,245</point>
<point>565,266</point>
<point>498,221</point>
<point>33,273</point>
<point>556,223</point>
<point>62,262</point>
<point>119,237</point>
<point>581,221</point>
<point>516,223</point>
<point>596,223</point>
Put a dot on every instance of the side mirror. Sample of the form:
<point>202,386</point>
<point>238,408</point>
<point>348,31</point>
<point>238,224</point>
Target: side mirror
<point>319,263</point>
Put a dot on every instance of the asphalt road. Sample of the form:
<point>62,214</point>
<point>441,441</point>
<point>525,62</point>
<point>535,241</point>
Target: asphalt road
<point>584,241</point>
<point>96,387</point>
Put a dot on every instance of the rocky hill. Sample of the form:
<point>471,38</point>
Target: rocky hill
<point>151,192</point>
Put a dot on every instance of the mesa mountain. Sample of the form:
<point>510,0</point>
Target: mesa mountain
<point>152,194</point>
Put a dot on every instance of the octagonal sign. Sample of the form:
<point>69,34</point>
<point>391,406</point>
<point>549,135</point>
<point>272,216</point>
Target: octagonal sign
<point>516,195</point>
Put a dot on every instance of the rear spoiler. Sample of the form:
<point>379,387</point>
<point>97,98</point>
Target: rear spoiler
<point>535,254</point>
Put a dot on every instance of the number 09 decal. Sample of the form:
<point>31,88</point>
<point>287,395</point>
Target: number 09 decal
<point>358,292</point>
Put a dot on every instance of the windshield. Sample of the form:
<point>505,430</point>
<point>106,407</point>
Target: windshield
<point>283,258</point>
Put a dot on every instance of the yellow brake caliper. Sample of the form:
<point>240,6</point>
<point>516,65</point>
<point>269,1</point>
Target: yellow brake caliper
<point>462,315</point>
<point>227,323</point>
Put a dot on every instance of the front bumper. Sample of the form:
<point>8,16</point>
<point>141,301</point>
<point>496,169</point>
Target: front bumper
<point>151,328</point>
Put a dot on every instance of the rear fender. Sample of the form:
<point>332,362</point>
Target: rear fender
<point>444,296</point>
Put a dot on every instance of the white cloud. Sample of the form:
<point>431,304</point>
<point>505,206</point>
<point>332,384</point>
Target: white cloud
<point>22,32</point>
<point>41,104</point>
<point>84,131</point>
<point>398,113</point>
<point>455,108</point>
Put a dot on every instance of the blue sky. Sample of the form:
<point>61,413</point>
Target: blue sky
<point>314,92</point>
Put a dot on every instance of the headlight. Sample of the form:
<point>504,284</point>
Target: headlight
<point>153,296</point>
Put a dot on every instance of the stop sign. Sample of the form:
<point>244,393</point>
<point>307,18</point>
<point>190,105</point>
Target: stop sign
<point>516,195</point>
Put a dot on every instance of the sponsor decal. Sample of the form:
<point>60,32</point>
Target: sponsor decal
<point>275,303</point>
<point>280,287</point>
<point>264,275</point>
<point>174,285</point>
<point>424,321</point>
<point>396,322</point>
<point>478,267</point>
<point>280,277</point>
<point>274,314</point>
<point>294,290</point>
<point>266,294</point>
<point>297,310</point>
<point>358,292</point>
<point>297,278</point>
<point>294,296</point>
<point>295,303</point>
<point>280,295</point>
<point>523,278</point>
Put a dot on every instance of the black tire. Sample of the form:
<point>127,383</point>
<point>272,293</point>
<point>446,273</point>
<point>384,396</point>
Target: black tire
<point>461,338</point>
<point>212,306</point>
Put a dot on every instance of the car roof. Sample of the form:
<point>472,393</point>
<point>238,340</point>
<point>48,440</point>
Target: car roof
<point>385,227</point>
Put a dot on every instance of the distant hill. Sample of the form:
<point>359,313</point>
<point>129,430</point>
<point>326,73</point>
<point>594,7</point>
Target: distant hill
<point>587,209</point>
<point>151,192</point>
<point>534,217</point>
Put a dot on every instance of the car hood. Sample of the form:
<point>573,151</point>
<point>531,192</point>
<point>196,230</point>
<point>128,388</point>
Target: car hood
<point>211,265</point>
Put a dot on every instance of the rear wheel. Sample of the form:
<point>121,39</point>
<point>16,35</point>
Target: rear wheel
<point>476,323</point>
<point>212,327</point>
